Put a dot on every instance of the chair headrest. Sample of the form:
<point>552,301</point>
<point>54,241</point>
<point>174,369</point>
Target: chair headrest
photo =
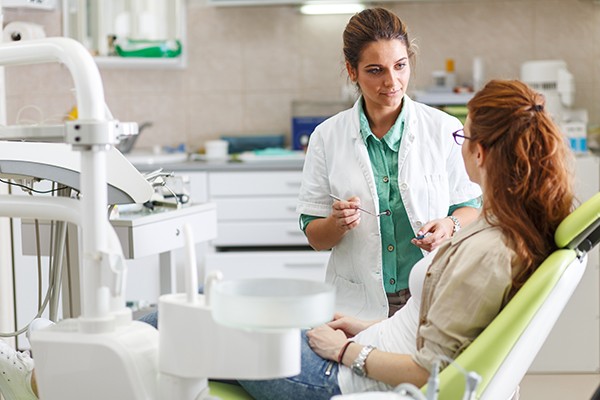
<point>581,229</point>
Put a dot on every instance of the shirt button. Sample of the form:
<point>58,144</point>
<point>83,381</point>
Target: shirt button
<point>386,179</point>
<point>392,281</point>
<point>419,223</point>
<point>390,248</point>
<point>403,186</point>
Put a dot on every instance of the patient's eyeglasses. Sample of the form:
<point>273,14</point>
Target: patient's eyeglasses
<point>459,138</point>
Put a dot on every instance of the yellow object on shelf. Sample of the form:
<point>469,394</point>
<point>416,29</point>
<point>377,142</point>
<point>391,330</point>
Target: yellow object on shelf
<point>72,115</point>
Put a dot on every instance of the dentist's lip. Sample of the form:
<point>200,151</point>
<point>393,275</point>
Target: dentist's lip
<point>391,93</point>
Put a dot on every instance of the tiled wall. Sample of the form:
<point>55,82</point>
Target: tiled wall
<point>247,64</point>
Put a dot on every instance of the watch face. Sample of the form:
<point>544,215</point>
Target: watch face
<point>358,370</point>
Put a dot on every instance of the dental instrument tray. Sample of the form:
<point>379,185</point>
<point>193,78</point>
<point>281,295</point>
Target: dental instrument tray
<point>272,303</point>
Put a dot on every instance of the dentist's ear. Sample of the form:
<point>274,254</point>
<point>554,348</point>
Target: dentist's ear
<point>351,72</point>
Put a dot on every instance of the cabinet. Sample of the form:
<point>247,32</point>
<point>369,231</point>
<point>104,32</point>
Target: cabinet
<point>256,208</point>
<point>142,28</point>
<point>258,229</point>
<point>258,233</point>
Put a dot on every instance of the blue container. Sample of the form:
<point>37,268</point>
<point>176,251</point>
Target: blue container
<point>239,144</point>
<point>302,128</point>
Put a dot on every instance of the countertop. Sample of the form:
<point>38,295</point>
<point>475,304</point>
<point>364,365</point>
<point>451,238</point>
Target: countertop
<point>200,166</point>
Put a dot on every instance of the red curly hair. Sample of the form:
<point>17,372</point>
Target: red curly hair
<point>528,186</point>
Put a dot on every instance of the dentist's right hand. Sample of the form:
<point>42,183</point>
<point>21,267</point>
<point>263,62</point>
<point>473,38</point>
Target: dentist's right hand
<point>346,213</point>
<point>326,233</point>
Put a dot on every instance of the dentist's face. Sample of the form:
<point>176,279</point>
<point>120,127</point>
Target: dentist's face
<point>382,74</point>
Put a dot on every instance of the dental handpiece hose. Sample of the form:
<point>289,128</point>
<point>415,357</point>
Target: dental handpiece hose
<point>433,383</point>
<point>472,381</point>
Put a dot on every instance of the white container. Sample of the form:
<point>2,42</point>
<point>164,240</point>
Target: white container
<point>216,149</point>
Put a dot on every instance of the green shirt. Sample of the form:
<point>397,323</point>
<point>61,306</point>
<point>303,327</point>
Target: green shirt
<point>398,253</point>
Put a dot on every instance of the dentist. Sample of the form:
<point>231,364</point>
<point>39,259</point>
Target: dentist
<point>388,155</point>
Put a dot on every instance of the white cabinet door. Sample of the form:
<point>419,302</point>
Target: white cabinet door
<point>574,344</point>
<point>256,209</point>
<point>306,264</point>
<point>263,183</point>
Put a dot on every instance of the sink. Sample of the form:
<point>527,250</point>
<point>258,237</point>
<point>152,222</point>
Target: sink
<point>272,303</point>
<point>149,157</point>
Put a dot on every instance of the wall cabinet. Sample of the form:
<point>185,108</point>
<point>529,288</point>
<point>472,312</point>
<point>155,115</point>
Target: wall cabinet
<point>148,33</point>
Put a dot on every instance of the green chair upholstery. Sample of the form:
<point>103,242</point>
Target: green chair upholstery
<point>228,391</point>
<point>506,348</point>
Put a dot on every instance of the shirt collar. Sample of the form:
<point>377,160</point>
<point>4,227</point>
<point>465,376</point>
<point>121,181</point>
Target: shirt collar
<point>393,136</point>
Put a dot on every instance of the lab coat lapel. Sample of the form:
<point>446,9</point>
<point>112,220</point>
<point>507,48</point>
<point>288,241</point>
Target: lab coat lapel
<point>408,136</point>
<point>362,157</point>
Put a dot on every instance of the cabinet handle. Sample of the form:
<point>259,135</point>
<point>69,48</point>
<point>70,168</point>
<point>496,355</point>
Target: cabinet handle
<point>294,183</point>
<point>304,265</point>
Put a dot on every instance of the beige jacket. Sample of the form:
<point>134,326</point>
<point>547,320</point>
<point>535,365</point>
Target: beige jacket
<point>467,284</point>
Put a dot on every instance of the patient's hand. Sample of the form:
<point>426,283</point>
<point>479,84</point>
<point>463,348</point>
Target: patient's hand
<point>326,342</point>
<point>349,325</point>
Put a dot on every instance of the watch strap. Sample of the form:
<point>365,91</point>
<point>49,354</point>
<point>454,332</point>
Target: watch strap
<point>456,222</point>
<point>358,366</point>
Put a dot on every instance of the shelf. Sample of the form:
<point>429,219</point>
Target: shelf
<point>443,98</point>
<point>141,63</point>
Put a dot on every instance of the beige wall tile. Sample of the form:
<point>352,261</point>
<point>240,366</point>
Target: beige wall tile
<point>247,64</point>
<point>212,115</point>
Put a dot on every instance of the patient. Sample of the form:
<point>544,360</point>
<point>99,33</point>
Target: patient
<point>514,151</point>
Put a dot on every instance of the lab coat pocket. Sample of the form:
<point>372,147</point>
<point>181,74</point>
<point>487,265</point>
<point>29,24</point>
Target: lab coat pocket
<point>350,297</point>
<point>438,196</point>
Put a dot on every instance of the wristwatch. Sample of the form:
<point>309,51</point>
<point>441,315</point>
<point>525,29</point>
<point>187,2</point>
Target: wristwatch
<point>358,366</point>
<point>456,227</point>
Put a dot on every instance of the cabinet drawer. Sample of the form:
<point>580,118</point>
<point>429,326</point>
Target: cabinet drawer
<point>259,234</point>
<point>254,183</point>
<point>306,264</point>
<point>256,209</point>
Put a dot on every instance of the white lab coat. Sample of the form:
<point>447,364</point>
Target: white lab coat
<point>431,177</point>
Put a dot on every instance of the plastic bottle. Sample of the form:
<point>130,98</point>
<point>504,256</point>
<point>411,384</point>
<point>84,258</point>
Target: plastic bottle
<point>450,74</point>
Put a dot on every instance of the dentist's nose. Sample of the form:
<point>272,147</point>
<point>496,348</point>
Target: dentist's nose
<point>389,78</point>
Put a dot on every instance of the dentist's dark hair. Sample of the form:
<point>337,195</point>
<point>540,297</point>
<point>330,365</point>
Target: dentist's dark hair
<point>528,181</point>
<point>371,25</point>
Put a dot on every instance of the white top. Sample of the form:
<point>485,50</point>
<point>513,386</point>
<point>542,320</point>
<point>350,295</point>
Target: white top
<point>397,334</point>
<point>431,177</point>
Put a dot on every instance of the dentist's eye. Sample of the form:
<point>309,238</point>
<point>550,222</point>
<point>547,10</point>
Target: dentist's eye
<point>374,71</point>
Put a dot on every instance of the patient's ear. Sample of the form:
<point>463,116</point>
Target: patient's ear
<point>480,156</point>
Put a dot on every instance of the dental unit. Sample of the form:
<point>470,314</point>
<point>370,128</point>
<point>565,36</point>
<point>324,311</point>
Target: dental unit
<point>236,330</point>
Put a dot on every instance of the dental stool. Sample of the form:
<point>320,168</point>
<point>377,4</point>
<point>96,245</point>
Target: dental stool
<point>504,351</point>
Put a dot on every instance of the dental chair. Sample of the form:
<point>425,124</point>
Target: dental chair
<point>504,351</point>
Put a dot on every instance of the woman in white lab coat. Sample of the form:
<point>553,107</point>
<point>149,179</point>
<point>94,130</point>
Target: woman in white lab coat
<point>388,154</point>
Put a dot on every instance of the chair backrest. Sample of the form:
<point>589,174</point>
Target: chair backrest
<point>503,352</point>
